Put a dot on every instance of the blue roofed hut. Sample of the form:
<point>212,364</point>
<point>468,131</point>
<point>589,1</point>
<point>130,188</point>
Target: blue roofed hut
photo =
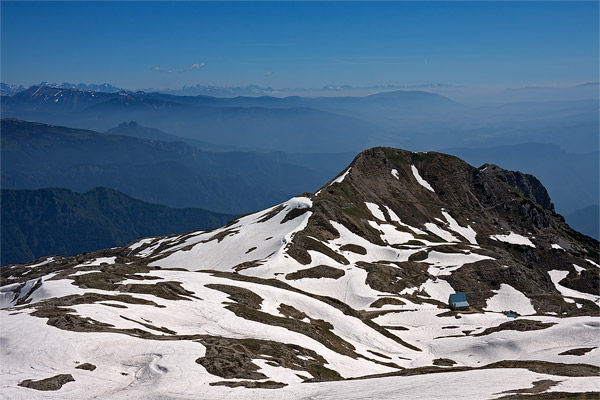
<point>458,301</point>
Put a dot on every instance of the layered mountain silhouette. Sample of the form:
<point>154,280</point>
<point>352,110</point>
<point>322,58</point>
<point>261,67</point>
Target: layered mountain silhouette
<point>352,281</point>
<point>37,155</point>
<point>36,223</point>
<point>408,118</point>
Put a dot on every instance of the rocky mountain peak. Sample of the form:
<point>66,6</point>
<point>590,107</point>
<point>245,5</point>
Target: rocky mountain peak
<point>349,282</point>
<point>527,184</point>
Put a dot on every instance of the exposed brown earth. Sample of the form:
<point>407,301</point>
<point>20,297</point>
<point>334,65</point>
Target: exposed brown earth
<point>53,383</point>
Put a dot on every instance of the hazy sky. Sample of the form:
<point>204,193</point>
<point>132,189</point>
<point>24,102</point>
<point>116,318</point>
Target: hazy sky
<point>171,44</point>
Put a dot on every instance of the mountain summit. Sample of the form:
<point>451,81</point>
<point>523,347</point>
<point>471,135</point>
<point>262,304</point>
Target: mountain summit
<point>350,282</point>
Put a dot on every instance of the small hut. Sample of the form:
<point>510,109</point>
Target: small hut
<point>458,301</point>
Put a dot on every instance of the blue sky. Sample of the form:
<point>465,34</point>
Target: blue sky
<point>310,44</point>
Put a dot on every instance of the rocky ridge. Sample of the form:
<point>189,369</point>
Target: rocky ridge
<point>349,282</point>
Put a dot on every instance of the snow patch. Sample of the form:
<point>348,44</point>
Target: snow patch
<point>437,231</point>
<point>557,276</point>
<point>341,177</point>
<point>437,289</point>
<point>508,298</point>
<point>421,181</point>
<point>390,234</point>
<point>592,262</point>
<point>226,247</point>
<point>513,238</point>
<point>395,174</point>
<point>396,218</point>
<point>375,210</point>
<point>468,232</point>
<point>444,263</point>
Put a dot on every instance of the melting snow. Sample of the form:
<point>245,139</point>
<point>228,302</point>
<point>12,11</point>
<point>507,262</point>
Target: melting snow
<point>592,262</point>
<point>395,174</point>
<point>140,243</point>
<point>513,238</point>
<point>468,232</point>
<point>578,269</point>
<point>436,230</point>
<point>375,210</point>
<point>390,234</point>
<point>341,177</point>
<point>445,263</point>
<point>207,252</point>
<point>558,276</point>
<point>421,181</point>
<point>508,298</point>
<point>438,289</point>
<point>396,219</point>
<point>555,246</point>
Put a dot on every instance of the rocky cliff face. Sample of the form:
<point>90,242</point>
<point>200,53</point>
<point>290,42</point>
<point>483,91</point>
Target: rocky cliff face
<point>527,184</point>
<point>349,282</point>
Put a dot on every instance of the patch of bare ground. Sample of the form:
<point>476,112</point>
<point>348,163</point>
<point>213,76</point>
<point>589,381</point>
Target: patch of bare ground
<point>114,305</point>
<point>545,367</point>
<point>577,352</point>
<point>250,384</point>
<point>302,244</point>
<point>379,354</point>
<point>386,300</point>
<point>320,271</point>
<point>222,235</point>
<point>232,358</point>
<point>291,312</point>
<point>554,396</point>
<point>396,328</point>
<point>295,213</point>
<point>456,314</point>
<point>521,325</point>
<point>90,297</point>
<point>247,264</point>
<point>538,387</point>
<point>239,295</point>
<point>354,248</point>
<point>86,366</point>
<point>109,278</point>
<point>150,326</point>
<point>53,383</point>
<point>393,279</point>
<point>444,362</point>
<point>268,215</point>
<point>541,367</point>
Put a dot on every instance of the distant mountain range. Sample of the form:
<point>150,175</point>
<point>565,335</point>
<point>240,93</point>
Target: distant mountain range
<point>586,220</point>
<point>413,119</point>
<point>231,91</point>
<point>9,90</point>
<point>587,90</point>
<point>221,179</point>
<point>296,129</point>
<point>172,173</point>
<point>59,221</point>
<point>134,129</point>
